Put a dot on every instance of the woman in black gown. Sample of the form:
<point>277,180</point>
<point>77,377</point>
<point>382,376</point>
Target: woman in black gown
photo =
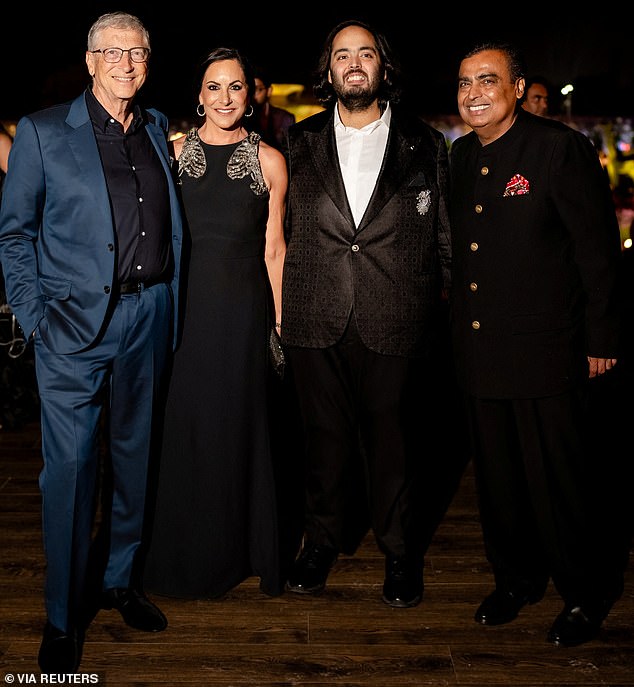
<point>215,521</point>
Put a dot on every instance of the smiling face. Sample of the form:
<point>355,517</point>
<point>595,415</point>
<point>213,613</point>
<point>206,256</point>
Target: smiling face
<point>356,70</point>
<point>487,96</point>
<point>224,94</point>
<point>116,84</point>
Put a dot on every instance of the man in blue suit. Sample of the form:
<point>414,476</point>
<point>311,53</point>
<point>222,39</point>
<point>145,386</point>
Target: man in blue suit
<point>90,243</point>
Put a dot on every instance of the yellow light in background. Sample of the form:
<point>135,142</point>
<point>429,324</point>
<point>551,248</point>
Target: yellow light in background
<point>284,90</point>
<point>10,127</point>
<point>303,111</point>
<point>566,91</point>
<point>292,97</point>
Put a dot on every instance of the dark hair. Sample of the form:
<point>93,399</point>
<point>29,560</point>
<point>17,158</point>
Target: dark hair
<point>220,54</point>
<point>540,80</point>
<point>259,72</point>
<point>515,59</point>
<point>389,89</point>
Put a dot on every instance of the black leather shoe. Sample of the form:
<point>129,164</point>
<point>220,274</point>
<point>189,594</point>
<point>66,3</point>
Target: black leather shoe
<point>60,652</point>
<point>310,570</point>
<point>574,626</point>
<point>136,609</point>
<point>403,586</point>
<point>502,607</point>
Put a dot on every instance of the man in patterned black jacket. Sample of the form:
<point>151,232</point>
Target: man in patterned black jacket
<point>368,258</point>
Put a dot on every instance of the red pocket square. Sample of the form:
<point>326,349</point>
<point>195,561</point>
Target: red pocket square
<point>517,186</point>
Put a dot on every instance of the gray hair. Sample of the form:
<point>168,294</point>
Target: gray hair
<point>116,20</point>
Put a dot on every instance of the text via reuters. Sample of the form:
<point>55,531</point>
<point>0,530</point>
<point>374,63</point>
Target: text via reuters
<point>53,679</point>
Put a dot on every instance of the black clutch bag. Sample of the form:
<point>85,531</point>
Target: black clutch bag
<point>276,353</point>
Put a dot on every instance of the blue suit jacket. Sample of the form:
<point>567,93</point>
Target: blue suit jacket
<point>57,238</point>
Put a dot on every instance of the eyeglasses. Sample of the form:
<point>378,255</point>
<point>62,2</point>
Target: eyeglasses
<point>113,55</point>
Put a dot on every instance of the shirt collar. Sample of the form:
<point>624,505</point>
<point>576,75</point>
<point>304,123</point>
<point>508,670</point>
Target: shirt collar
<point>102,119</point>
<point>384,119</point>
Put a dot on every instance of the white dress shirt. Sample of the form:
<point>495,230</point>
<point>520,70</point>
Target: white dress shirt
<point>361,154</point>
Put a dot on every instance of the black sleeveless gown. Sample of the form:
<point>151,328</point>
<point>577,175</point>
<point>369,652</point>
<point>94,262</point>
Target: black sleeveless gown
<point>215,521</point>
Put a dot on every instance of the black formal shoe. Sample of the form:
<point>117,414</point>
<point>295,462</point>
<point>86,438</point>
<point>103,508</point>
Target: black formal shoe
<point>136,609</point>
<point>574,626</point>
<point>502,607</point>
<point>310,570</point>
<point>403,586</point>
<point>60,652</point>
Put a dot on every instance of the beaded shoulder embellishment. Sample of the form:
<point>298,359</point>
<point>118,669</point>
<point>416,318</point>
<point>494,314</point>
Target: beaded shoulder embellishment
<point>192,157</point>
<point>244,161</point>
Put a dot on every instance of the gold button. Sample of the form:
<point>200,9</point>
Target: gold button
<point>474,246</point>
<point>478,208</point>
<point>473,286</point>
<point>484,171</point>
<point>475,324</point>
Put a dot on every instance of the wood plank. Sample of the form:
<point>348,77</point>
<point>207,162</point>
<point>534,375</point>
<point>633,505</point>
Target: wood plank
<point>345,637</point>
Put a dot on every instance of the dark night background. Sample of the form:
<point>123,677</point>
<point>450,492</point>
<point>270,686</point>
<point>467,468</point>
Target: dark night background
<point>44,60</point>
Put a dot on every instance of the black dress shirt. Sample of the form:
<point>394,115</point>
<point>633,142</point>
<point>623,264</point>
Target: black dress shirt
<point>138,193</point>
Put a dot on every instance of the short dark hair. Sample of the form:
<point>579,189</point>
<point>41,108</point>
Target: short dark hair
<point>390,89</point>
<point>530,80</point>
<point>259,72</point>
<point>224,53</point>
<point>515,59</point>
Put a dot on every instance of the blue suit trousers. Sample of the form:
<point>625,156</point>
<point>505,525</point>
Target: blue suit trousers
<point>125,366</point>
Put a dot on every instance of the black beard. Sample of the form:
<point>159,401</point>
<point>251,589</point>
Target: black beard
<point>357,100</point>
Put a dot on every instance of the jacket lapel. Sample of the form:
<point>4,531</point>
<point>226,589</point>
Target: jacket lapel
<point>83,144</point>
<point>396,161</point>
<point>324,152</point>
<point>157,137</point>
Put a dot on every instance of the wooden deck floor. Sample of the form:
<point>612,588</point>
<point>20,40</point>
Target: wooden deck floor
<point>345,638</point>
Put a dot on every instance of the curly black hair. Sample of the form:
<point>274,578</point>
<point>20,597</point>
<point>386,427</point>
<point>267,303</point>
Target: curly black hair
<point>390,89</point>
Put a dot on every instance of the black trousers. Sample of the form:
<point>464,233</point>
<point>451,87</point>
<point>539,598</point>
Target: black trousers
<point>542,497</point>
<point>362,437</point>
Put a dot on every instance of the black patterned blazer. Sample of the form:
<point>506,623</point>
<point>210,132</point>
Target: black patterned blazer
<point>389,271</point>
